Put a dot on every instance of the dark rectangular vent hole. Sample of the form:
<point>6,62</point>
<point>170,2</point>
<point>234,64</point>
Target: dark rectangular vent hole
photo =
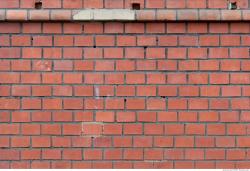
<point>38,5</point>
<point>232,5</point>
<point>136,6</point>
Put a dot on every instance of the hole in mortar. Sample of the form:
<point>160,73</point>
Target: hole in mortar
<point>38,4</point>
<point>232,5</point>
<point>136,6</point>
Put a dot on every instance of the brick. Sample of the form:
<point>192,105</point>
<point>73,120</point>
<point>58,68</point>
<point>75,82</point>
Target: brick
<point>188,91</point>
<point>132,129</point>
<point>102,142</point>
<point>42,41</point>
<point>195,129</point>
<point>188,116</point>
<point>229,116</point>
<point>194,154</point>
<point>4,116</point>
<point>10,53</point>
<point>20,117</point>
<point>113,53</point>
<point>150,129</point>
<point>225,142</point>
<point>242,103</point>
<point>176,53</point>
<point>10,27</point>
<point>104,117</point>
<point>39,15</point>
<point>215,154</point>
<point>21,91</point>
<point>187,15</point>
<point>146,91</point>
<point>41,90</point>
<point>177,104</point>
<point>62,116</point>
<point>84,41</point>
<point>5,40</point>
<point>113,154</point>
<point>73,103</point>
<point>83,65</point>
<point>63,40</point>
<point>92,154</point>
<point>93,53</point>
<point>185,141</point>
<point>204,141</point>
<point>112,129</point>
<point>52,28</point>
<point>32,27</point>
<point>61,142</point>
<point>52,53</point>
<point>20,142</point>
<point>93,28</point>
<point>113,27</point>
<point>69,154</point>
<point>145,15</point>
<point>215,129</point>
<point>239,53</point>
<point>146,65</point>
<point>60,164</point>
<point>81,142</point>
<point>198,104</point>
<point>240,78</point>
<point>83,116</point>
<point>93,3</point>
<point>174,4</point>
<point>51,154</point>
<point>133,154</point>
<point>72,4</point>
<point>217,4</point>
<point>174,129</point>
<point>174,154</point>
<point>239,28</point>
<point>32,52</point>
<point>30,129</point>
<point>235,154</point>
<point>10,4</point>
<point>134,28</point>
<point>125,141</point>
<point>166,15</point>
<point>8,103</point>
<point>70,129</point>
<point>50,4</point>
<point>21,40</point>
<point>153,154</point>
<point>134,53</point>
<point>13,15</point>
<point>126,40</point>
<point>92,129</point>
<point>40,141</point>
<point>200,53</point>
<point>155,28</point>
<point>218,28</point>
<point>167,116</point>
<point>142,141</point>
<point>196,4</point>
<point>125,117</point>
<point>51,129</point>
<point>52,104</point>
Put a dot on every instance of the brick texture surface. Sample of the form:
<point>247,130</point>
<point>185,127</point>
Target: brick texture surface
<point>124,94</point>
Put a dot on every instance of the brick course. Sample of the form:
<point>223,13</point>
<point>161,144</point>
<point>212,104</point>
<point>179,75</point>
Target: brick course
<point>110,94</point>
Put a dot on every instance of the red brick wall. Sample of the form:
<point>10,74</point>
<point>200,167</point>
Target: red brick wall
<point>124,95</point>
